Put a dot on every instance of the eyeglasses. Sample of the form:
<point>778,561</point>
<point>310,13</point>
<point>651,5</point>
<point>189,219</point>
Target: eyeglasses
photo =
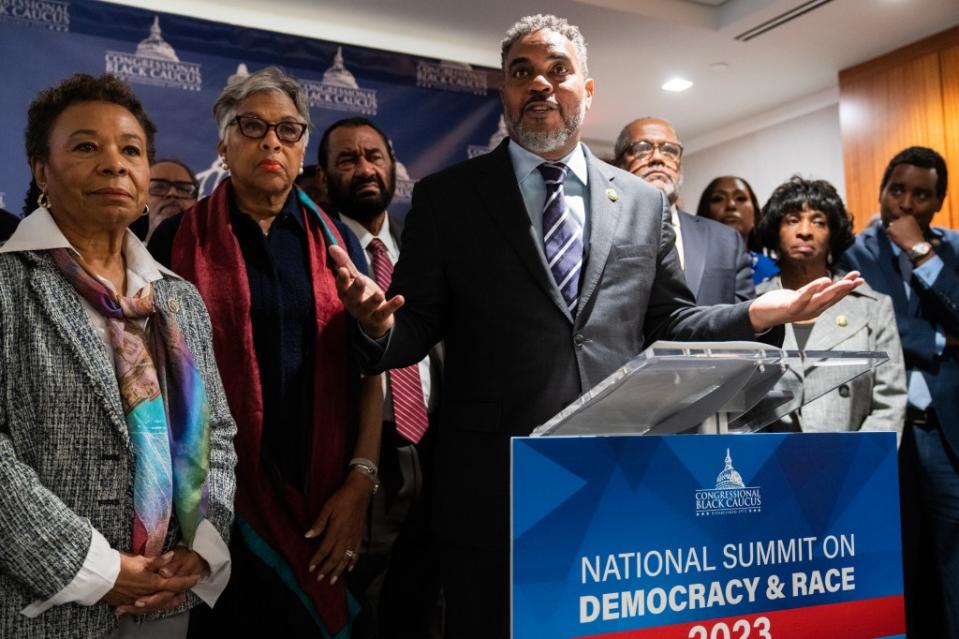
<point>644,148</point>
<point>256,129</point>
<point>159,187</point>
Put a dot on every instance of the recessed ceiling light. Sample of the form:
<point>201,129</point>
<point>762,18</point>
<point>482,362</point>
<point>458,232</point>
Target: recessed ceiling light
<point>676,85</point>
<point>719,66</point>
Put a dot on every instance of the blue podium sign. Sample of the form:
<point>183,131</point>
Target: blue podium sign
<point>706,537</point>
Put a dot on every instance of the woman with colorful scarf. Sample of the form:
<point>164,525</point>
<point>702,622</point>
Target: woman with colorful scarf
<point>308,426</point>
<point>116,453</point>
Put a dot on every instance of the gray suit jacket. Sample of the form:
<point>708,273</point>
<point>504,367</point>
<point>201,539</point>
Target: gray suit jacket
<point>864,320</point>
<point>474,276</point>
<point>66,461</point>
<point>717,267</point>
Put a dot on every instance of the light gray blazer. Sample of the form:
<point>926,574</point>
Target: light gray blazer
<point>66,462</point>
<point>862,321</point>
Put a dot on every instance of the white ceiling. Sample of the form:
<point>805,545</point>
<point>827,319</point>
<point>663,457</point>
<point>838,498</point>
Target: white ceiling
<point>634,45</point>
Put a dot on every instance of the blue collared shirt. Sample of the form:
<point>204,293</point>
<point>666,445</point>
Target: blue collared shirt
<point>919,395</point>
<point>533,188</point>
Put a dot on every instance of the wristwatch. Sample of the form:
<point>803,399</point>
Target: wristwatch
<point>919,250</point>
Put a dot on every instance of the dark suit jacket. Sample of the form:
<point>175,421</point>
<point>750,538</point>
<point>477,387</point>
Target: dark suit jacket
<point>474,276</point>
<point>938,308</point>
<point>8,224</point>
<point>718,268</point>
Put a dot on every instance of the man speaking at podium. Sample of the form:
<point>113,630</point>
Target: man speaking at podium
<point>543,269</point>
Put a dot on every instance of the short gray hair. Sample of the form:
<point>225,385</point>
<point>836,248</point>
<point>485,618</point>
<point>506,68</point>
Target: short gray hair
<point>268,79</point>
<point>548,22</point>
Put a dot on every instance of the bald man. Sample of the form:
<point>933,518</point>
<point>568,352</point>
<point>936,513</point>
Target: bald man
<point>713,257</point>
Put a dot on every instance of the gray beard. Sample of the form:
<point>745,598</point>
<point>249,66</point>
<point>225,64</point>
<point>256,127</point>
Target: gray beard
<point>541,142</point>
<point>671,189</point>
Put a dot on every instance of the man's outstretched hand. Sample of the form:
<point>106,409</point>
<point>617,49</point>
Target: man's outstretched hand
<point>784,306</point>
<point>362,298</point>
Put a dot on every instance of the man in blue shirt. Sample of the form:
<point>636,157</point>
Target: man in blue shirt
<point>917,265</point>
<point>541,278</point>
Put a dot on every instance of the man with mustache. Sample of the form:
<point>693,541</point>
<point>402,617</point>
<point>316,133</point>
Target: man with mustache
<point>543,270</point>
<point>397,579</point>
<point>713,257</point>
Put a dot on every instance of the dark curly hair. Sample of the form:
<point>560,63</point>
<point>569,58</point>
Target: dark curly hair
<point>924,158</point>
<point>806,195</point>
<point>703,209</point>
<point>50,103</point>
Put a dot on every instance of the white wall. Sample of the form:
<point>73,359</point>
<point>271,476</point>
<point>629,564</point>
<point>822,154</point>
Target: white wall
<point>807,144</point>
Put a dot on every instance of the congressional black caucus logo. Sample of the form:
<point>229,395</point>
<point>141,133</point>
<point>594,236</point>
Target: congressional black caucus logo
<point>339,91</point>
<point>731,496</point>
<point>450,76</point>
<point>46,14</point>
<point>155,63</point>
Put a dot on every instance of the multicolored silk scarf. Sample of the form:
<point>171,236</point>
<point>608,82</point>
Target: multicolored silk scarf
<point>164,402</point>
<point>273,515</point>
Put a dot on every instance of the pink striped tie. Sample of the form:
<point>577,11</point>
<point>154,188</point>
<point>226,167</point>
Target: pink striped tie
<point>409,410</point>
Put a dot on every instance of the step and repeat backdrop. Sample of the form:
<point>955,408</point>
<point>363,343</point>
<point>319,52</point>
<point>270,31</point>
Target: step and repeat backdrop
<point>436,112</point>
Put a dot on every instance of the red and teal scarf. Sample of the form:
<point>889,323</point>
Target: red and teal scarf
<point>272,515</point>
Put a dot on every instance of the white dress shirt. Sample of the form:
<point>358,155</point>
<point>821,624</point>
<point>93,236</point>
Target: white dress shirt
<point>101,567</point>
<point>674,220</point>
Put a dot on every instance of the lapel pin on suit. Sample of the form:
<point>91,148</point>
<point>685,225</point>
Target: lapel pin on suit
<point>612,195</point>
<point>842,321</point>
<point>173,305</point>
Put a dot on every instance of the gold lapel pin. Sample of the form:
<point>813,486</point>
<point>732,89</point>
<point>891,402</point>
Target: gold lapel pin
<point>612,195</point>
<point>173,305</point>
<point>842,321</point>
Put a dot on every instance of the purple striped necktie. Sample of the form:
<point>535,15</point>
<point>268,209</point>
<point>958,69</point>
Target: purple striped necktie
<point>562,235</point>
<point>409,410</point>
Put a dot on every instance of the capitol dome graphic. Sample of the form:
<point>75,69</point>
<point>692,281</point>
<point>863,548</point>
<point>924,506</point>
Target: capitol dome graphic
<point>402,173</point>
<point>729,477</point>
<point>155,46</point>
<point>338,75</point>
<point>499,135</point>
<point>241,73</point>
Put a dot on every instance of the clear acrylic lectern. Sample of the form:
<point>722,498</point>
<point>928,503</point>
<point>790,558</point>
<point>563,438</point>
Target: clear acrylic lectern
<point>711,387</point>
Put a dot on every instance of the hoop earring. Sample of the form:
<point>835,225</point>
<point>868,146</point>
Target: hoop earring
<point>146,210</point>
<point>43,200</point>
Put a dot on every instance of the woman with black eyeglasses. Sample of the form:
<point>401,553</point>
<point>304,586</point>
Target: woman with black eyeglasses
<point>308,427</point>
<point>173,190</point>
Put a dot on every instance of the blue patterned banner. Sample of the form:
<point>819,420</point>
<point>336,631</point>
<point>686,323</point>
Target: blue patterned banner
<point>696,537</point>
<point>436,112</point>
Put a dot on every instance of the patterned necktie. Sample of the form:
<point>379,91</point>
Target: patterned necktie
<point>409,410</point>
<point>562,235</point>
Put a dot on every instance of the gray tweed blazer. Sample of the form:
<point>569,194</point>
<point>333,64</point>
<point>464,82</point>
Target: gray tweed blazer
<point>862,321</point>
<point>66,462</point>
